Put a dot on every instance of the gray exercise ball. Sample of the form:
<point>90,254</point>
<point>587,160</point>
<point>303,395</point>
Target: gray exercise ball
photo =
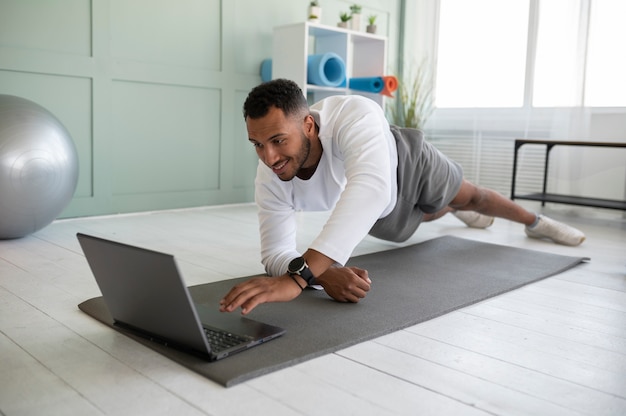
<point>38,167</point>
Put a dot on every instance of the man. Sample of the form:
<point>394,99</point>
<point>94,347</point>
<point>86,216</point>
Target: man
<point>342,155</point>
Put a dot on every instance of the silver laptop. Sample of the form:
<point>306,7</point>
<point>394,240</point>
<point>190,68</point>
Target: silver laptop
<point>145,293</point>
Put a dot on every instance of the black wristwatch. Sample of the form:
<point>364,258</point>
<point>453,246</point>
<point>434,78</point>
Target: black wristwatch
<point>299,267</point>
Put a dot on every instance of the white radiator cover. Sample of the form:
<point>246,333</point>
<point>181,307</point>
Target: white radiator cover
<point>488,160</point>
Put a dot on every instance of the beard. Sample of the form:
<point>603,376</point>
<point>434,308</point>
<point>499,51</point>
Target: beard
<point>298,160</point>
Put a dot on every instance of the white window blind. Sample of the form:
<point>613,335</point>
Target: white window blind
<point>571,54</point>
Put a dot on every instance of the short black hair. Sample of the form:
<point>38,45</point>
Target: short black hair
<point>281,93</point>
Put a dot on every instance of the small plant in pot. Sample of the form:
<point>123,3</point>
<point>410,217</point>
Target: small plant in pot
<point>344,18</point>
<point>371,27</point>
<point>355,12</point>
<point>315,12</point>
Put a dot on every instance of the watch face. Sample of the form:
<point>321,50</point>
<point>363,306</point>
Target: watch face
<point>296,264</point>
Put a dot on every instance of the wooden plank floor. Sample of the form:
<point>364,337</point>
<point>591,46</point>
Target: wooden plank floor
<point>556,347</point>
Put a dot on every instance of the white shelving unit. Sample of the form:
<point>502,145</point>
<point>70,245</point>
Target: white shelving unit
<point>364,54</point>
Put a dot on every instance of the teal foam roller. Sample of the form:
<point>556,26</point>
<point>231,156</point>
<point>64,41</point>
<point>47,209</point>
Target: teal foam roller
<point>367,84</point>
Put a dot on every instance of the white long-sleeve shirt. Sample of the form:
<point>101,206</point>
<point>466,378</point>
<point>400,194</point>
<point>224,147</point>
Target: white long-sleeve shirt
<point>355,180</point>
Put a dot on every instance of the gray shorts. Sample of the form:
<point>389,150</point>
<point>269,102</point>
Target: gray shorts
<point>427,182</point>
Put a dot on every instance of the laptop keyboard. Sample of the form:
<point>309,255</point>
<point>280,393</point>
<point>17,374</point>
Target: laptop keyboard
<point>221,340</point>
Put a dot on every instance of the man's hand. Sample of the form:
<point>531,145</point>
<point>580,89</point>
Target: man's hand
<point>345,284</point>
<point>259,290</point>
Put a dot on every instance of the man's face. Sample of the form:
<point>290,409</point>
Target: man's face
<point>280,142</point>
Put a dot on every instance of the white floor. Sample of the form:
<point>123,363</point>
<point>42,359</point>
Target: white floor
<point>556,347</point>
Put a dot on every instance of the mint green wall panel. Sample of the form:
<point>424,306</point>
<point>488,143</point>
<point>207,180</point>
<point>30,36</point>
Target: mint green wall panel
<point>69,99</point>
<point>253,28</point>
<point>165,138</point>
<point>245,160</point>
<point>151,90</point>
<point>181,32</point>
<point>58,26</point>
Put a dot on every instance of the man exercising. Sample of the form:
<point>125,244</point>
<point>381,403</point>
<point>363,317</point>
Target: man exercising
<point>342,155</point>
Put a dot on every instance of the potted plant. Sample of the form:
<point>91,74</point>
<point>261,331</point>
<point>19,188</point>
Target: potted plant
<point>371,27</point>
<point>355,12</point>
<point>315,12</point>
<point>414,103</point>
<point>344,18</point>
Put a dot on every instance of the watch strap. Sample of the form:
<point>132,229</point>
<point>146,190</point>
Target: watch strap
<point>293,277</point>
<point>307,275</point>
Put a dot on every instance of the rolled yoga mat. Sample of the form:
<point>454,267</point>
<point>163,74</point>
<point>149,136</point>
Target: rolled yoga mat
<point>266,70</point>
<point>409,285</point>
<point>391,85</point>
<point>367,84</point>
<point>384,85</point>
<point>327,70</point>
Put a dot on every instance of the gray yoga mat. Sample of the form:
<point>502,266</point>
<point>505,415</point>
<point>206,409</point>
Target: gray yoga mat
<point>409,285</point>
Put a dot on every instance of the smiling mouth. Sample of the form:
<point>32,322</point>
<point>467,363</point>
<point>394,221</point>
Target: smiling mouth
<point>279,167</point>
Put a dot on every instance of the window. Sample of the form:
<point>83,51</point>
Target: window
<point>558,58</point>
<point>482,53</point>
<point>576,47</point>
<point>606,61</point>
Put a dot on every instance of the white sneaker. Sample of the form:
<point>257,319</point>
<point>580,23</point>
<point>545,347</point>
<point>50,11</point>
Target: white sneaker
<point>473,219</point>
<point>556,231</point>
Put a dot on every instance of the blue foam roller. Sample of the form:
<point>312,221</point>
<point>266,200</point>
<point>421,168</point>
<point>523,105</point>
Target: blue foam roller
<point>367,84</point>
<point>266,70</point>
<point>326,69</point>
